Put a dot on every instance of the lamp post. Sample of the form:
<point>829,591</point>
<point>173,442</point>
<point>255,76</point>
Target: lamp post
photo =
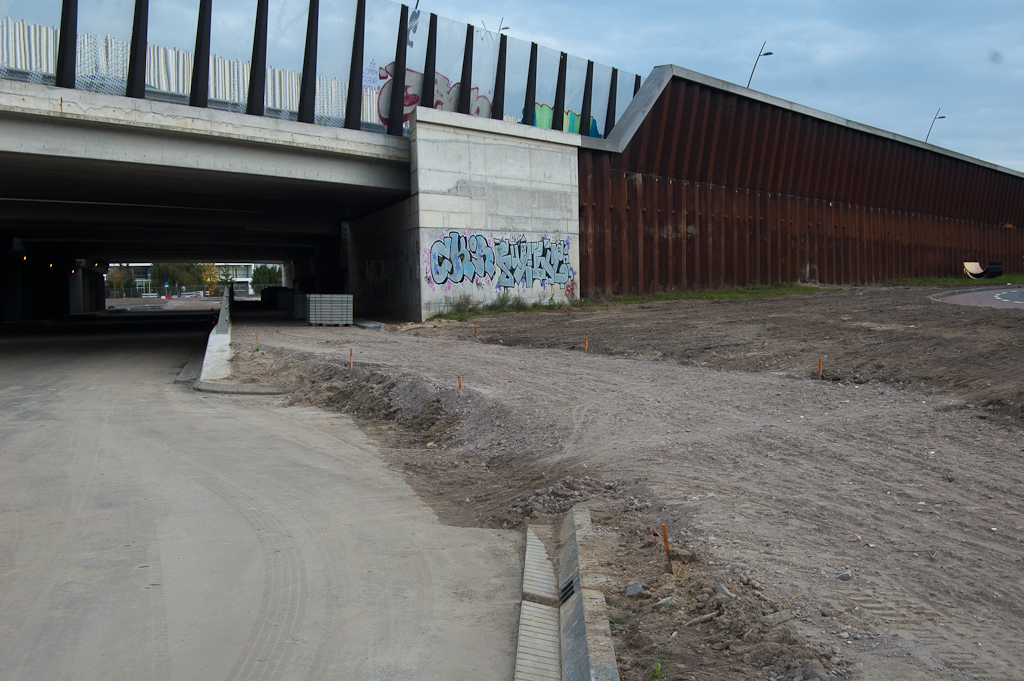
<point>760,53</point>
<point>937,117</point>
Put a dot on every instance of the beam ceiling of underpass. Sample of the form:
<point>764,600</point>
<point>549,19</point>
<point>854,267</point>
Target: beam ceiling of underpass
<point>111,179</point>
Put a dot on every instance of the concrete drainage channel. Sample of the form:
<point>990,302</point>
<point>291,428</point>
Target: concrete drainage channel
<point>563,625</point>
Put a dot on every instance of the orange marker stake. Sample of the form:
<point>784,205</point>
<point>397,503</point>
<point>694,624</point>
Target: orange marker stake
<point>350,359</point>
<point>460,386</point>
<point>475,330</point>
<point>668,556</point>
<point>819,367</point>
<point>585,344</point>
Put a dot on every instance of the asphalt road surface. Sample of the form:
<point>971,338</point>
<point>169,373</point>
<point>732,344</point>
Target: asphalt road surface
<point>989,297</point>
<point>148,531</point>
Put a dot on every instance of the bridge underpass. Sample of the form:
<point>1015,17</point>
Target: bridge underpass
<point>548,200</point>
<point>87,180</point>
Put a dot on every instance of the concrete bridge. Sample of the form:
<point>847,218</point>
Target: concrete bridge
<point>90,179</point>
<point>546,177</point>
<point>114,149</point>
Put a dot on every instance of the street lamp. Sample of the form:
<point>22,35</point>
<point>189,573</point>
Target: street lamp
<point>937,117</point>
<point>760,53</point>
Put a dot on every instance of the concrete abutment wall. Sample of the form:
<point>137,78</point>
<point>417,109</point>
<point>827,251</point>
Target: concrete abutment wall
<point>494,211</point>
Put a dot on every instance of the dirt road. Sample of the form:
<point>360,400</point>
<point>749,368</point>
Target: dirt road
<point>878,510</point>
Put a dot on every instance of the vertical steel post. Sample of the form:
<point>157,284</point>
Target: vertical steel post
<point>466,84</point>
<point>613,88</point>
<point>354,105</point>
<point>428,95</point>
<point>588,101</point>
<point>498,101</point>
<point>396,110</point>
<point>136,86</point>
<point>558,112</point>
<point>307,87</point>
<point>199,94</point>
<point>530,104</point>
<point>67,48</point>
<point>254,103</point>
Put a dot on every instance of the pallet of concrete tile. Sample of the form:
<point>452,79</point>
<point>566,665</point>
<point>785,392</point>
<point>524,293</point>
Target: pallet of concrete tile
<point>300,307</point>
<point>330,309</point>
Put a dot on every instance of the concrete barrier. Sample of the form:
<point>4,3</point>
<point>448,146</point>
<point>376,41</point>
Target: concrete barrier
<point>216,362</point>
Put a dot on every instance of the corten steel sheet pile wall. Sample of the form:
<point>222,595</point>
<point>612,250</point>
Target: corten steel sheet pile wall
<point>714,188</point>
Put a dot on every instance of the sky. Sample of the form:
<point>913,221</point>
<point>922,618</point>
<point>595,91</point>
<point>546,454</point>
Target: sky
<point>886,64</point>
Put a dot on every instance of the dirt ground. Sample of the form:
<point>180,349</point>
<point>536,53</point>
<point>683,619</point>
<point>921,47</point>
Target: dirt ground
<point>866,525</point>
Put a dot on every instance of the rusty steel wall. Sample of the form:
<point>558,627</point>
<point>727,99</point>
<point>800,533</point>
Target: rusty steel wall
<point>718,190</point>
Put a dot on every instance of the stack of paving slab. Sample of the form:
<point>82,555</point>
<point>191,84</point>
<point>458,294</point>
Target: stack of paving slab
<point>300,307</point>
<point>330,309</point>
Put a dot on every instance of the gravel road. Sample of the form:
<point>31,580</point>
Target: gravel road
<point>881,505</point>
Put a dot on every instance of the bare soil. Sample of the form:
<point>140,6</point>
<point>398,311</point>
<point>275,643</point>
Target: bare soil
<point>863,525</point>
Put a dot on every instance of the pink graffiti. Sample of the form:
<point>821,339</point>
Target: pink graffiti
<point>446,95</point>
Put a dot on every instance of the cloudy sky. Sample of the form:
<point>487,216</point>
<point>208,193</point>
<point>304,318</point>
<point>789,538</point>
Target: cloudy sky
<point>890,64</point>
<point>885,63</point>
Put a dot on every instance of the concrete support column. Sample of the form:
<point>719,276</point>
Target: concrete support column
<point>11,295</point>
<point>288,274</point>
<point>76,291</point>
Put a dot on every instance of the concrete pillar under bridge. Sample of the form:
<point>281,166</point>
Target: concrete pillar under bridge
<point>326,271</point>
<point>11,295</point>
<point>39,285</point>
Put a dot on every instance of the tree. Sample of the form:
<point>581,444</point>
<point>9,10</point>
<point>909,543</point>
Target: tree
<point>176,274</point>
<point>264,276</point>
<point>224,279</point>
<point>211,277</point>
<point>118,277</point>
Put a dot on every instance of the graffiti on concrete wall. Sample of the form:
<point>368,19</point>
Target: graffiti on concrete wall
<point>500,263</point>
<point>524,262</point>
<point>461,259</point>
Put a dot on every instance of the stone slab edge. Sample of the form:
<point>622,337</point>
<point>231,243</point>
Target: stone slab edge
<point>588,652</point>
<point>190,372</point>
<point>980,289</point>
<point>226,388</point>
<point>370,324</point>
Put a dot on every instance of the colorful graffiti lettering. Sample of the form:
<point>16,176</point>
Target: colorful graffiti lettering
<point>446,95</point>
<point>545,117</point>
<point>524,262</point>
<point>457,258</point>
<point>507,263</point>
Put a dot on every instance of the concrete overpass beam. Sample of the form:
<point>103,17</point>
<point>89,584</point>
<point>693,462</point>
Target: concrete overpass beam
<point>40,121</point>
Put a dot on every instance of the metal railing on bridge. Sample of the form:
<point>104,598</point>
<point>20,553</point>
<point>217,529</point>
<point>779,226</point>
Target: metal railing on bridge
<point>375,56</point>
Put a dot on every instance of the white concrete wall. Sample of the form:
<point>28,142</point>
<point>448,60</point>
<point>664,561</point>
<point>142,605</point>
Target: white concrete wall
<point>498,210</point>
